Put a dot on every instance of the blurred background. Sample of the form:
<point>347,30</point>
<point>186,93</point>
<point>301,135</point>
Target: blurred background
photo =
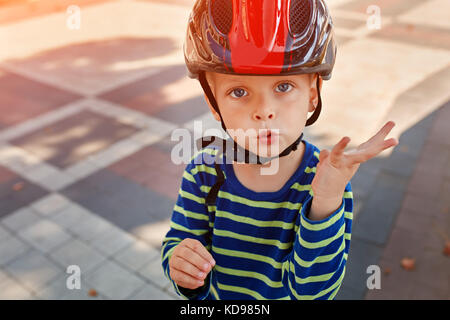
<point>91,90</point>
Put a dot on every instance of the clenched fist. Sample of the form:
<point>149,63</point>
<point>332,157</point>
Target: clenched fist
<point>190,263</point>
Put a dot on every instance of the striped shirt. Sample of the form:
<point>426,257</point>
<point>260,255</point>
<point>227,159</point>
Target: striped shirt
<point>264,245</point>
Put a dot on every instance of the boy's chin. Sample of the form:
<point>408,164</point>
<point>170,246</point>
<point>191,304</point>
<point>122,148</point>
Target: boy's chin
<point>264,150</point>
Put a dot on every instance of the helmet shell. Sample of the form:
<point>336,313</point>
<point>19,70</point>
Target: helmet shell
<point>263,37</point>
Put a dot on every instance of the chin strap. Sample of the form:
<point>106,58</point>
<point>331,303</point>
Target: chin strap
<point>241,154</point>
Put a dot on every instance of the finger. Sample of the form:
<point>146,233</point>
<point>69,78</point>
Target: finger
<point>185,266</point>
<point>389,143</point>
<point>338,150</point>
<point>184,280</point>
<point>194,258</point>
<point>387,128</point>
<point>200,249</point>
<point>359,157</point>
<point>340,146</point>
<point>355,157</point>
<point>383,132</point>
<point>323,155</point>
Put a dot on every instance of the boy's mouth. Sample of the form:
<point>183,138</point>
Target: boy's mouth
<point>267,135</point>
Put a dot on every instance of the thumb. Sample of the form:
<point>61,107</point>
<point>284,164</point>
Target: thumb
<point>323,155</point>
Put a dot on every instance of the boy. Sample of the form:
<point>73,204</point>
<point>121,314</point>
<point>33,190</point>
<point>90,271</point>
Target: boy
<point>239,234</point>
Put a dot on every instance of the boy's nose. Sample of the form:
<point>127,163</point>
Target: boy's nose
<point>263,115</point>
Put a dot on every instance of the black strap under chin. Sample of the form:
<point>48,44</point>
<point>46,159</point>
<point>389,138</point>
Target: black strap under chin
<point>237,154</point>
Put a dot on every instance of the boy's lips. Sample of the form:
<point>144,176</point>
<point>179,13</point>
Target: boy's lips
<point>267,136</point>
<point>266,133</point>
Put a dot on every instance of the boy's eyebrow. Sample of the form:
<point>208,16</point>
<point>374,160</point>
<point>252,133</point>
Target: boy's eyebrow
<point>230,81</point>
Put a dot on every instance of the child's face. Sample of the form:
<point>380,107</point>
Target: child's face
<point>264,102</point>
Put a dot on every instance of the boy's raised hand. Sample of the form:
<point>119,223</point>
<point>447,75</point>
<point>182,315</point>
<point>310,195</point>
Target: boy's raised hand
<point>336,168</point>
<point>190,263</point>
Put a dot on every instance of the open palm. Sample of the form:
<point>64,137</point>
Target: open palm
<point>336,168</point>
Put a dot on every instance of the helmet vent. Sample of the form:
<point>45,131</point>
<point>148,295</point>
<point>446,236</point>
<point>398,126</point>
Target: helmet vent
<point>299,15</point>
<point>222,14</point>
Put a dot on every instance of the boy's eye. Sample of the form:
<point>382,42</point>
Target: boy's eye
<point>238,93</point>
<point>284,87</point>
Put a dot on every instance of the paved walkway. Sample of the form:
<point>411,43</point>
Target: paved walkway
<point>86,117</point>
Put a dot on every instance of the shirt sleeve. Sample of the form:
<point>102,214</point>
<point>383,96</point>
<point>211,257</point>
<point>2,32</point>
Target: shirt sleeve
<point>315,267</point>
<point>190,219</point>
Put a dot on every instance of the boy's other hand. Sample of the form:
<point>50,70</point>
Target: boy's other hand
<point>190,263</point>
<point>336,168</point>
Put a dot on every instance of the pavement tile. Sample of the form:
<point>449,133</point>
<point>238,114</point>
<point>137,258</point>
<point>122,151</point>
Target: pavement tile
<point>387,7</point>
<point>396,283</point>
<point>4,233</point>
<point>400,163</point>
<point>421,291</point>
<point>135,256</point>
<point>345,23</point>
<point>18,10</point>
<point>184,111</point>
<point>375,220</point>
<point>70,215</point>
<point>153,233</point>
<point>18,193</point>
<point>403,244</point>
<point>187,3</point>
<point>114,281</point>
<point>152,168</point>
<point>71,140</point>
<point>121,201</point>
<point>362,183</point>
<point>165,184</point>
<point>145,94</point>
<point>430,13</point>
<point>425,183</point>
<point>20,219</point>
<point>11,289</point>
<point>51,204</point>
<point>150,292</point>
<point>34,270</point>
<point>57,290</point>
<point>154,273</point>
<point>436,264</point>
<point>112,241</point>
<point>414,222</point>
<point>419,204</point>
<point>77,252</point>
<point>6,175</point>
<point>90,227</point>
<point>440,127</point>
<point>44,235</point>
<point>415,34</point>
<point>11,248</point>
<point>29,98</point>
<point>3,276</point>
<point>348,293</point>
<point>361,255</point>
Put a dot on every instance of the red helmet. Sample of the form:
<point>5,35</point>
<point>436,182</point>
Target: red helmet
<point>260,37</point>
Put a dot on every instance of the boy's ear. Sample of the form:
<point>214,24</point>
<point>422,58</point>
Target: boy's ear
<point>314,95</point>
<point>214,112</point>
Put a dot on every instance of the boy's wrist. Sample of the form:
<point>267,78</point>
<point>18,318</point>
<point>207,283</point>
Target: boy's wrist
<point>321,208</point>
